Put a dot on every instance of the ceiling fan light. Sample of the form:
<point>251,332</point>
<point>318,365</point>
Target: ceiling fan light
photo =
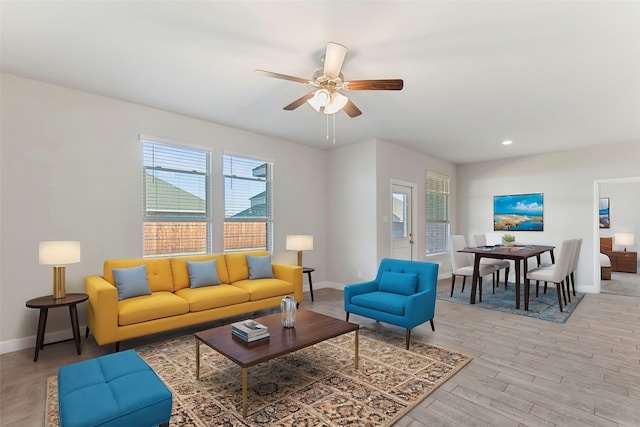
<point>320,99</point>
<point>338,101</point>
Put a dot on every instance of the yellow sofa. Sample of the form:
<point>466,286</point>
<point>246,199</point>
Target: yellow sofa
<point>173,304</point>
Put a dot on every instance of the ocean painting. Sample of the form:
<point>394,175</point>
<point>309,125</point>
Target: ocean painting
<point>603,213</point>
<point>518,212</point>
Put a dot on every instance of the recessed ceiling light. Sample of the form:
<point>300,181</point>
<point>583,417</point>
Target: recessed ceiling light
<point>507,142</point>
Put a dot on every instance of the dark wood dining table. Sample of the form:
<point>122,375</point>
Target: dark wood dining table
<point>518,253</point>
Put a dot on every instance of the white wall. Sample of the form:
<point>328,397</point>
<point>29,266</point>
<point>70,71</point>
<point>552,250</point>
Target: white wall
<point>360,196</point>
<point>71,170</point>
<point>567,181</point>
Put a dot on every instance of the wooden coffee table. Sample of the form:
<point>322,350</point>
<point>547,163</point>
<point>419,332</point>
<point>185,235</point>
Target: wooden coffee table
<point>311,328</point>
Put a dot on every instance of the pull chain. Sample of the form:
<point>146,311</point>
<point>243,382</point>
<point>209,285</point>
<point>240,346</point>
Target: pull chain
<point>334,128</point>
<point>327,138</point>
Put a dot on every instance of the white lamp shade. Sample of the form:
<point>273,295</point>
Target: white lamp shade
<point>300,242</point>
<point>320,99</point>
<point>59,252</point>
<point>624,239</point>
<point>338,101</point>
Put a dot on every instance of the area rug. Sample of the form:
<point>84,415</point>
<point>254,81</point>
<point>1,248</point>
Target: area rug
<point>316,386</point>
<point>544,307</point>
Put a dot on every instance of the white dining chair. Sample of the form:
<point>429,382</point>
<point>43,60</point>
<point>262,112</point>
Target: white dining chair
<point>556,273</point>
<point>462,265</point>
<point>499,264</point>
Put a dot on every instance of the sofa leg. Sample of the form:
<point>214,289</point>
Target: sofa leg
<point>433,328</point>
<point>165,424</point>
<point>408,337</point>
<point>347,319</point>
<point>86,333</point>
<point>117,346</point>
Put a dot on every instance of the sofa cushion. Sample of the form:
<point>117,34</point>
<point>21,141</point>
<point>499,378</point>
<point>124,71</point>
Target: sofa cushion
<point>265,288</point>
<point>382,301</point>
<point>150,307</point>
<point>260,267</point>
<point>158,271</point>
<point>237,264</point>
<point>209,297</point>
<point>398,283</point>
<point>180,270</point>
<point>203,273</point>
<point>131,282</point>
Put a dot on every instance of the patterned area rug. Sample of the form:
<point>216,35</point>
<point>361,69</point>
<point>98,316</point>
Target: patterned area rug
<point>316,386</point>
<point>544,307</point>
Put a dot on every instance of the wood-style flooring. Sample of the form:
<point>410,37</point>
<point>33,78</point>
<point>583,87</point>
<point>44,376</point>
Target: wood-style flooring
<point>525,372</point>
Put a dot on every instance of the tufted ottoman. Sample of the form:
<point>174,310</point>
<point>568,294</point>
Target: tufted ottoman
<point>119,389</point>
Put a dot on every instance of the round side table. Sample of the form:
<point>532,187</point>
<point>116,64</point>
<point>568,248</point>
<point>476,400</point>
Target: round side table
<point>44,304</point>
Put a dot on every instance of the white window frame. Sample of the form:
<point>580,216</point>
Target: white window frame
<point>232,207</point>
<point>157,168</point>
<point>437,217</point>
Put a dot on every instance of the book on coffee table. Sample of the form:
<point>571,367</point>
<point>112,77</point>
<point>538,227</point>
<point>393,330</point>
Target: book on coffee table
<point>249,330</point>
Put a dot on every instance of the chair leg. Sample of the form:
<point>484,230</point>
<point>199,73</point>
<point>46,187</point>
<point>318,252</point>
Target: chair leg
<point>464,280</point>
<point>545,287</point>
<point>480,287</point>
<point>494,281</point>
<point>433,328</point>
<point>564,295</point>
<point>537,288</point>
<point>573,284</point>
<point>506,278</point>
<point>408,337</point>
<point>559,296</point>
<point>86,333</point>
<point>347,319</point>
<point>566,280</point>
<point>453,282</point>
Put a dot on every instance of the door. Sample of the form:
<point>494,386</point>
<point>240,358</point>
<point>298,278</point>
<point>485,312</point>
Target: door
<point>402,195</point>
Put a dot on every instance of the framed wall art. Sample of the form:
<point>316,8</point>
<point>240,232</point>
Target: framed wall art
<point>518,212</point>
<point>603,212</point>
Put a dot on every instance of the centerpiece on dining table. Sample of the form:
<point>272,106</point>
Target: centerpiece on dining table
<point>508,240</point>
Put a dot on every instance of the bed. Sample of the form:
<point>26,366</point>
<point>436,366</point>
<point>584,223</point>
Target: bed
<point>606,245</point>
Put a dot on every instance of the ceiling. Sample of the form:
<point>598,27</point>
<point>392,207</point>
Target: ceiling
<point>549,76</point>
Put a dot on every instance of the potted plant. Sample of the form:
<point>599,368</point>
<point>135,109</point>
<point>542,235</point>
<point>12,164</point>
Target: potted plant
<point>508,239</point>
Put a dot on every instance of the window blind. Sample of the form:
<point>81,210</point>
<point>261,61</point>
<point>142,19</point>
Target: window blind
<point>437,226</point>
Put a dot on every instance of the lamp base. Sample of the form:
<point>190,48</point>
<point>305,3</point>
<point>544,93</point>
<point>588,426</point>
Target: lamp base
<point>58,282</point>
<point>299,258</point>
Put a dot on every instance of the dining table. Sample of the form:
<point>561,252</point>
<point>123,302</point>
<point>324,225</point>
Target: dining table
<point>519,254</point>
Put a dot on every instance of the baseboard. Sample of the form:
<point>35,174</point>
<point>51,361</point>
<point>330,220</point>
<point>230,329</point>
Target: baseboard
<point>333,285</point>
<point>17,344</point>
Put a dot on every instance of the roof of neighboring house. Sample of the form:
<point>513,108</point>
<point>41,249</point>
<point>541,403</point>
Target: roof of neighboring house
<point>165,197</point>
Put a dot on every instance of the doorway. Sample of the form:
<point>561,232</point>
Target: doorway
<point>403,220</point>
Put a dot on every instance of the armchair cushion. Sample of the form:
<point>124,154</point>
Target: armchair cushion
<point>388,302</point>
<point>398,283</point>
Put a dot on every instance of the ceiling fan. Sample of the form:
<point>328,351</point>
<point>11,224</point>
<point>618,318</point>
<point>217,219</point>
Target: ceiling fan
<point>329,82</point>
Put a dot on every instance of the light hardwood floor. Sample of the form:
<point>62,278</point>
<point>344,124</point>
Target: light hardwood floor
<point>525,372</point>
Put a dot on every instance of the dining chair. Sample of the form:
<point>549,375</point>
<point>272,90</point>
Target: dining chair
<point>574,265</point>
<point>500,264</point>
<point>462,265</point>
<point>556,273</point>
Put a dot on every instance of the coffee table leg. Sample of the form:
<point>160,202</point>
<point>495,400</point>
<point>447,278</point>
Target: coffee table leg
<point>357,345</point>
<point>244,392</point>
<point>197,359</point>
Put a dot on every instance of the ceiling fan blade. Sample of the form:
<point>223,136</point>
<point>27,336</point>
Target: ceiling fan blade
<point>298,102</point>
<point>283,76</point>
<point>333,59</point>
<point>390,84</point>
<point>351,109</point>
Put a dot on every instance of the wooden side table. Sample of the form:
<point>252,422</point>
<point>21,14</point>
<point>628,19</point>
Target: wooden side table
<point>623,261</point>
<point>44,304</point>
<point>309,270</point>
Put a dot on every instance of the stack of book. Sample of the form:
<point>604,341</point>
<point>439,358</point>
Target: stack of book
<point>249,330</point>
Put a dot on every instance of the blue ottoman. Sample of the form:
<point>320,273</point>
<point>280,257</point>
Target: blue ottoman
<point>119,389</point>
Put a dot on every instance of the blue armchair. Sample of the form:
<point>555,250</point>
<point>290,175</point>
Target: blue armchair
<point>402,294</point>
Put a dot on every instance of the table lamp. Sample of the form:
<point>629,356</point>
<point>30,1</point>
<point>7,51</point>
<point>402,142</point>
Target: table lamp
<point>624,239</point>
<point>300,242</point>
<point>58,254</point>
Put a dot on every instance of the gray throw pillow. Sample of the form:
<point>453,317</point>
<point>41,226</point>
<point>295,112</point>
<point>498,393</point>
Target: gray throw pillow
<point>260,267</point>
<point>131,282</point>
<point>203,273</point>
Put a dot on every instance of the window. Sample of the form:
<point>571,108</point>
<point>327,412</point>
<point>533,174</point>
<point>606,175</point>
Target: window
<point>177,216</point>
<point>437,194</point>
<point>248,222</point>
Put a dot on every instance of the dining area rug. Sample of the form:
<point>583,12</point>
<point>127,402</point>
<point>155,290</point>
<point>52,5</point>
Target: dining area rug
<point>315,386</point>
<point>543,307</point>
